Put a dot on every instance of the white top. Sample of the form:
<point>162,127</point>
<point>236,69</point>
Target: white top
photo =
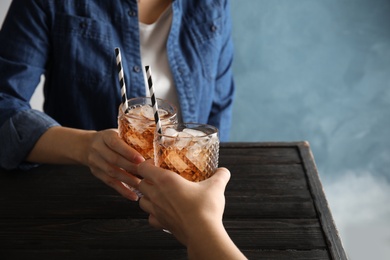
<point>153,40</point>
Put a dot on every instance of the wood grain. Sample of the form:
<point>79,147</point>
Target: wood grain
<point>275,209</point>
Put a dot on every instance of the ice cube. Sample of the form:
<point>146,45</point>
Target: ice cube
<point>136,125</point>
<point>169,131</point>
<point>184,135</point>
<point>194,151</point>
<point>182,140</point>
<point>162,113</point>
<point>193,132</point>
<point>214,138</point>
<point>208,140</point>
<point>147,112</point>
<point>168,137</point>
<point>135,112</point>
<point>197,156</point>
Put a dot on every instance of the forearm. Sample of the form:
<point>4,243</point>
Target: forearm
<point>61,145</point>
<point>212,242</point>
<point>108,157</point>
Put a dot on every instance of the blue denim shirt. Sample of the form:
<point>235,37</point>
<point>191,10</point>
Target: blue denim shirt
<point>72,43</point>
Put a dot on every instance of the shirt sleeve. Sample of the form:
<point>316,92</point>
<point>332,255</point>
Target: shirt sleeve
<point>24,52</point>
<point>19,134</point>
<point>24,47</point>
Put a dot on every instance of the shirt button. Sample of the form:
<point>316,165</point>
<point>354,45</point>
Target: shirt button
<point>83,24</point>
<point>132,13</point>
<point>136,69</point>
<point>213,28</point>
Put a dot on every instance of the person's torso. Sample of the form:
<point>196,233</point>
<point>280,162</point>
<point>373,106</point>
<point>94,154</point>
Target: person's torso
<point>82,77</point>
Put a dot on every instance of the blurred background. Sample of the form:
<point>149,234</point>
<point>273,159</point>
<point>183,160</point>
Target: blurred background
<point>319,71</point>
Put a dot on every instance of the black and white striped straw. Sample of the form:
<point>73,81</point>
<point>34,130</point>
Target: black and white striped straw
<point>125,106</point>
<point>154,100</point>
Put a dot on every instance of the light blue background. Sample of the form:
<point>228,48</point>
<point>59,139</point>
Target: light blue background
<point>319,70</point>
<point>316,70</point>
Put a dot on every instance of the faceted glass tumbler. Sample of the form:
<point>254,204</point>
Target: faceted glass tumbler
<point>189,149</point>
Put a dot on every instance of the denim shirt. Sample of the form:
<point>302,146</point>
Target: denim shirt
<point>72,43</point>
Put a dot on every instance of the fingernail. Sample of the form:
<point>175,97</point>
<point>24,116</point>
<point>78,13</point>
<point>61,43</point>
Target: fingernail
<point>134,198</point>
<point>139,159</point>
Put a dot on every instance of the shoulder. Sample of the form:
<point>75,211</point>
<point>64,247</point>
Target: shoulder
<point>203,12</point>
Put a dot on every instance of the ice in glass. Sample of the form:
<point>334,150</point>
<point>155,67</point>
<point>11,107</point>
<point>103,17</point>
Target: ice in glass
<point>137,126</point>
<point>189,149</point>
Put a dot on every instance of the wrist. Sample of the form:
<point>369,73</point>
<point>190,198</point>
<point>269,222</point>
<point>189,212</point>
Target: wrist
<point>82,145</point>
<point>212,241</point>
<point>205,236</point>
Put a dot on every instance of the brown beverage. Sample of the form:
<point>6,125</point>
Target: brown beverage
<point>188,149</point>
<point>137,126</point>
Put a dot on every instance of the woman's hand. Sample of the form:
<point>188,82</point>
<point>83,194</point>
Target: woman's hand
<point>181,206</point>
<point>112,160</point>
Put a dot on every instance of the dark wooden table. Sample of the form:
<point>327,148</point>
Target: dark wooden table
<point>275,209</point>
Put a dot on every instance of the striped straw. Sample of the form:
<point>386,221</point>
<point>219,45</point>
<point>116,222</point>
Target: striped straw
<point>154,101</point>
<point>125,107</point>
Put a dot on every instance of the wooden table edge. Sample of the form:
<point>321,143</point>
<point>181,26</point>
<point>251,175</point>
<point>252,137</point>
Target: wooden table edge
<point>331,233</point>
<point>333,239</point>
